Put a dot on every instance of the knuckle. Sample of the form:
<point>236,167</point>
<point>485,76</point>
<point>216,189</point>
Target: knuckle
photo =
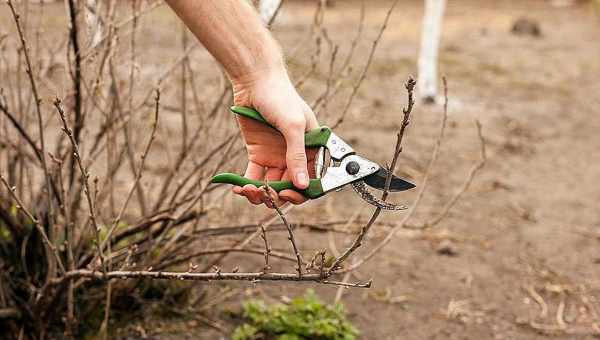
<point>297,156</point>
<point>296,123</point>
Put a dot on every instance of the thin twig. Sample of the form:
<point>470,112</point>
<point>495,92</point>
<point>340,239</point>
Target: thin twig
<point>340,291</point>
<point>20,129</point>
<point>403,223</point>
<point>216,276</point>
<point>266,222</point>
<point>365,69</point>
<point>139,172</point>
<point>263,235</point>
<point>134,17</point>
<point>186,258</point>
<point>38,102</point>
<point>357,263</point>
<point>12,190</point>
<point>84,179</point>
<point>77,81</point>
<point>289,228</point>
<point>410,86</point>
<point>539,300</point>
<point>274,15</point>
<point>467,182</point>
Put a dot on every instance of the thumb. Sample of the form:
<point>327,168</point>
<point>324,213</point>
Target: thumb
<point>296,154</point>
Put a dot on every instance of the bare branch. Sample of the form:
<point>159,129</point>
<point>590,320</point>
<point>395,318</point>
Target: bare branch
<point>467,182</point>
<point>410,87</point>
<point>217,276</point>
<point>12,190</point>
<point>273,16</point>
<point>20,129</point>
<point>38,101</point>
<point>263,235</point>
<point>403,223</point>
<point>84,179</point>
<point>289,228</point>
<point>139,172</point>
<point>365,69</point>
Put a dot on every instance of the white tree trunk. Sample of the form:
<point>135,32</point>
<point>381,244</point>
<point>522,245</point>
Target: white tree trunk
<point>268,8</point>
<point>430,43</point>
<point>95,26</point>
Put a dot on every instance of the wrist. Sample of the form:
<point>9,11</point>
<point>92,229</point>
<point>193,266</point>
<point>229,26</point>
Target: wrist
<point>272,71</point>
<point>252,89</point>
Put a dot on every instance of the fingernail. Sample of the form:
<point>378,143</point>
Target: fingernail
<point>302,179</point>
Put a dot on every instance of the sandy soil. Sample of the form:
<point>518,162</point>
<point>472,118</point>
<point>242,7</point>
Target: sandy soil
<point>528,220</point>
<point>524,238</point>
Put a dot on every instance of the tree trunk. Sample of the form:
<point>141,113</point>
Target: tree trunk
<point>430,43</point>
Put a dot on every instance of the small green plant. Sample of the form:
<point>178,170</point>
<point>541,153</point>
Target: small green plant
<point>304,318</point>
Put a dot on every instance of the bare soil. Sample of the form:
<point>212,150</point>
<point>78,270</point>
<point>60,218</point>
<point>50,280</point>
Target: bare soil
<point>521,248</point>
<point>527,222</point>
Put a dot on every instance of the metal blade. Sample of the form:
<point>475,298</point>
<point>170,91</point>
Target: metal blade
<point>377,181</point>
<point>361,189</point>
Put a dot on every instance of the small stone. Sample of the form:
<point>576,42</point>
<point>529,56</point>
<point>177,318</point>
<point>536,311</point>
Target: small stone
<point>447,248</point>
<point>526,26</point>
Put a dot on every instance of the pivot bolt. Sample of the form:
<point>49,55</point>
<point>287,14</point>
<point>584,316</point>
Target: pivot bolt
<point>352,168</point>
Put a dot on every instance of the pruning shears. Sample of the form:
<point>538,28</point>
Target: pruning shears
<point>345,167</point>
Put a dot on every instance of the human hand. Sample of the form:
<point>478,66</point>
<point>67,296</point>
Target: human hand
<point>274,155</point>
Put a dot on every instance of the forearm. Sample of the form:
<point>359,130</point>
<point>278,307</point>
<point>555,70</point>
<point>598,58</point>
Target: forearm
<point>233,33</point>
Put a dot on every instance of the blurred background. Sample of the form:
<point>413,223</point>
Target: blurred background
<point>517,255</point>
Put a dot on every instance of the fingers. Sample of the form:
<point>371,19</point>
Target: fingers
<point>251,192</point>
<point>254,171</point>
<point>292,196</point>
<point>293,133</point>
<point>273,174</point>
<point>256,195</point>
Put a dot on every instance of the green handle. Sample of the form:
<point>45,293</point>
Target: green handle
<point>314,189</point>
<point>314,138</point>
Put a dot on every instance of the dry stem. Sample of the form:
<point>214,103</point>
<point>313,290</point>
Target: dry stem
<point>365,69</point>
<point>410,86</point>
<point>291,236</point>
<point>216,276</point>
<point>84,180</point>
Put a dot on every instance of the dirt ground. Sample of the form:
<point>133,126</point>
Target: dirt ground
<point>527,225</point>
<point>523,240</point>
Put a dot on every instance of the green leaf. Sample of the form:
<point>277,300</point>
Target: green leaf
<point>306,317</point>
